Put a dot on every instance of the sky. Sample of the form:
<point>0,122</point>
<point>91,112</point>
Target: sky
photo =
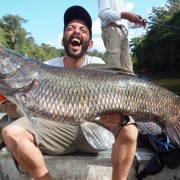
<point>45,17</point>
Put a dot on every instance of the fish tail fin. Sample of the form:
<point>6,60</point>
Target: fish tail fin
<point>173,132</point>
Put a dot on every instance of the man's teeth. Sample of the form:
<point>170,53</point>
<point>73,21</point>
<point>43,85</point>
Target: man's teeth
<point>75,43</point>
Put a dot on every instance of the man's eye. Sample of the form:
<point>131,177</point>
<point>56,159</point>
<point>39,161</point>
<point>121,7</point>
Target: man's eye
<point>84,30</point>
<point>70,28</point>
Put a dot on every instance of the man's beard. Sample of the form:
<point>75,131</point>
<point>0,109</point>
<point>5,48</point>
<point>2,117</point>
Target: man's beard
<point>84,47</point>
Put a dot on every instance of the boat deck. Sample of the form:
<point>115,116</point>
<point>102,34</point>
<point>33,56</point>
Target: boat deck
<point>84,167</point>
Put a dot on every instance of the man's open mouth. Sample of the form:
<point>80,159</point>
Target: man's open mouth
<point>76,42</point>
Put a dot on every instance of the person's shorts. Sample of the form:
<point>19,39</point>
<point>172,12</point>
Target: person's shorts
<point>55,138</point>
<point>117,49</point>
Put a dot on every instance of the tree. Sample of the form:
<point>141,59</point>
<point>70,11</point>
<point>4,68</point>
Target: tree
<point>159,48</point>
<point>15,34</point>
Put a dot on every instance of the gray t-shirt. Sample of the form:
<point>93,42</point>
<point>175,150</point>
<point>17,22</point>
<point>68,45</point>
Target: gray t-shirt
<point>59,61</point>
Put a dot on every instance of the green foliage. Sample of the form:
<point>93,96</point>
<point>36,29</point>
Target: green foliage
<point>159,48</point>
<point>13,36</point>
<point>14,33</point>
<point>45,52</point>
<point>2,36</point>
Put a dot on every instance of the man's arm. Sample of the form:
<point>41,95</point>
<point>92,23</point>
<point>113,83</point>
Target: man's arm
<point>134,18</point>
<point>106,13</point>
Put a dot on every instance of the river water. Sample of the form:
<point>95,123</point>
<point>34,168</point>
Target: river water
<point>169,80</point>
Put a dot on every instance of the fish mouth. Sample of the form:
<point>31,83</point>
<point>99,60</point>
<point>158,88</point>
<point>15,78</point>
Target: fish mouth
<point>15,82</point>
<point>13,88</point>
<point>7,75</point>
<point>13,75</point>
<point>7,70</point>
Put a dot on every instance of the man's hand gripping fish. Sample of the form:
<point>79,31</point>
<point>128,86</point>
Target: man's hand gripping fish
<point>74,96</point>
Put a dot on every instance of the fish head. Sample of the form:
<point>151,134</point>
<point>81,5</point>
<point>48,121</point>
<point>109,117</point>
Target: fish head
<point>16,71</point>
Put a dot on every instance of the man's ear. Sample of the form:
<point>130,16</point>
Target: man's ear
<point>90,44</point>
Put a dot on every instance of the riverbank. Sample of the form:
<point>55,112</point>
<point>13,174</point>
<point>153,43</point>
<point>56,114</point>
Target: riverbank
<point>167,79</point>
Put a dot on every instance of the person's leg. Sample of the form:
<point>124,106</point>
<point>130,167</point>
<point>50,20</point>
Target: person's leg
<point>50,137</point>
<point>123,151</point>
<point>3,122</point>
<point>22,146</point>
<point>117,50</point>
<point>111,39</point>
<point>125,56</point>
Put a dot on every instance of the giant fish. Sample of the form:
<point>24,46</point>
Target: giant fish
<point>74,96</point>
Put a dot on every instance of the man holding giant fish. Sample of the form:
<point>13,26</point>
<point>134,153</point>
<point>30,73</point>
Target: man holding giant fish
<point>75,96</point>
<point>27,144</point>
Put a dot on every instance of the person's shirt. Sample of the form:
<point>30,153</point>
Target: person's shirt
<point>59,61</point>
<point>110,11</point>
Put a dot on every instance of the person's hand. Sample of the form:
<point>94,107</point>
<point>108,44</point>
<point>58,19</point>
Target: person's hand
<point>131,17</point>
<point>134,18</point>
<point>11,109</point>
<point>112,120</point>
<point>143,22</point>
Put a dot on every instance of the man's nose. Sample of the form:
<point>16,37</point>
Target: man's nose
<point>77,30</point>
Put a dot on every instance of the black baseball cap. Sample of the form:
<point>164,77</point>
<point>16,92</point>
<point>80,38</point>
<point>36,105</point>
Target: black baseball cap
<point>78,12</point>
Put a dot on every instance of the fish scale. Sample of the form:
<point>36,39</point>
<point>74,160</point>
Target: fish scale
<point>107,98</point>
<point>74,96</point>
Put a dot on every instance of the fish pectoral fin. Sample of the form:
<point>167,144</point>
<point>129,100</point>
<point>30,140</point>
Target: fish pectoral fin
<point>108,68</point>
<point>97,136</point>
<point>25,111</point>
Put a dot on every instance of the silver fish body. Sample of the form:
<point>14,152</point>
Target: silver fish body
<point>74,96</point>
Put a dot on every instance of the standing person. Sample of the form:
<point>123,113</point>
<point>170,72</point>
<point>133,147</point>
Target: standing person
<point>65,139</point>
<point>115,21</point>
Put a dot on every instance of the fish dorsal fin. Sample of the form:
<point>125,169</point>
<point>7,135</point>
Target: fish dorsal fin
<point>108,68</point>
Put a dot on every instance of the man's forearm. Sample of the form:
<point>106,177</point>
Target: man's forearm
<point>133,18</point>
